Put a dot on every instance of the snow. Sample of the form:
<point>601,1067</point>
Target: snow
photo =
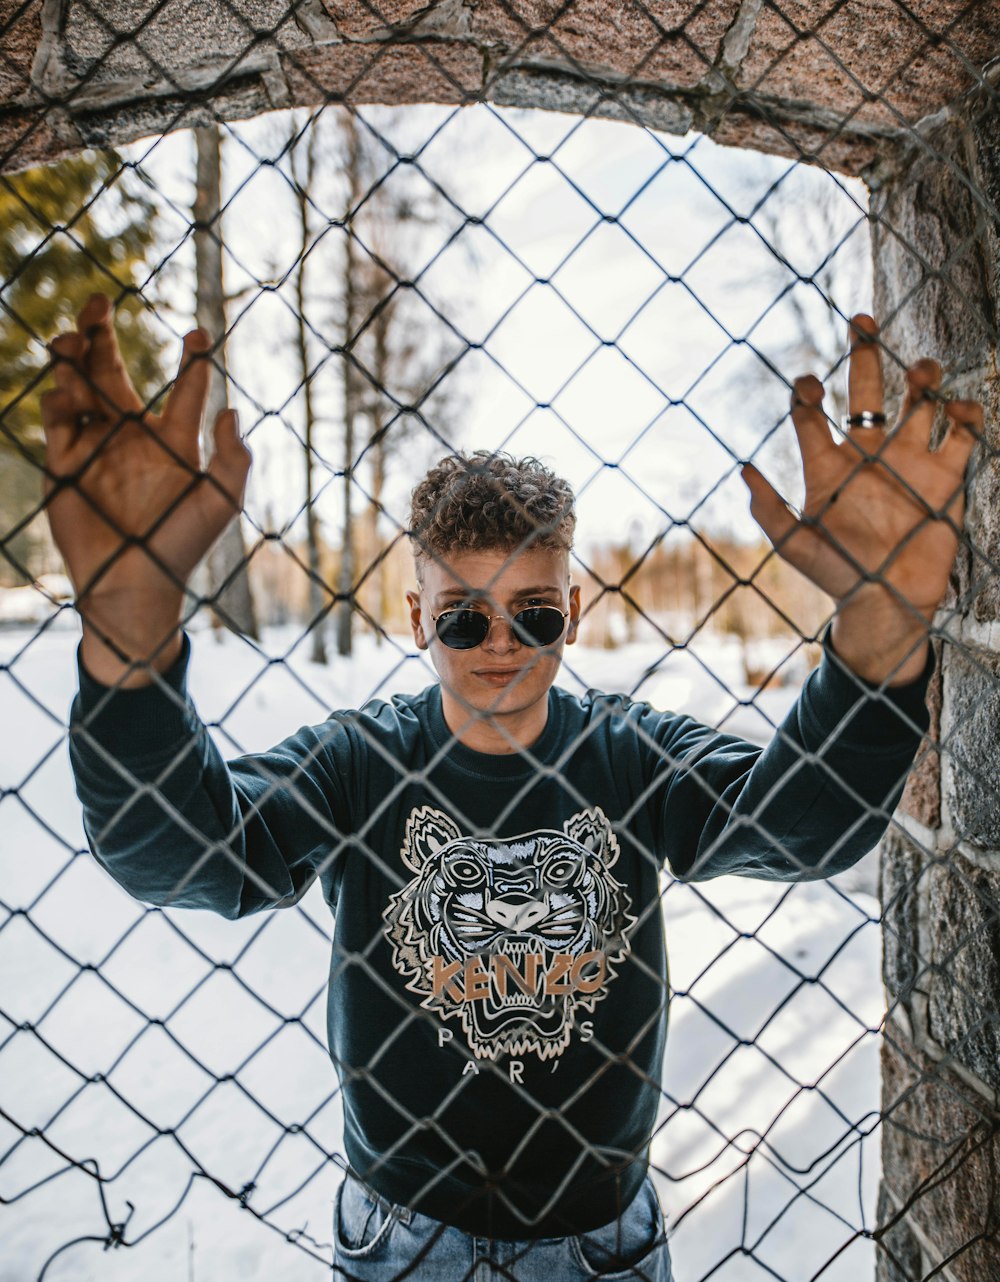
<point>35,602</point>
<point>169,1054</point>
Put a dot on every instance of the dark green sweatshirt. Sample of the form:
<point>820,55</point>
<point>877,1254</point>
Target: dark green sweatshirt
<point>498,985</point>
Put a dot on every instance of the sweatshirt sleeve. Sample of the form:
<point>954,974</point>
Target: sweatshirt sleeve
<point>178,826</point>
<point>808,805</point>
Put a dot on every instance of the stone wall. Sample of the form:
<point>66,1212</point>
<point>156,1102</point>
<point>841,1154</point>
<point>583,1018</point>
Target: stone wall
<point>836,81</point>
<point>937,257</point>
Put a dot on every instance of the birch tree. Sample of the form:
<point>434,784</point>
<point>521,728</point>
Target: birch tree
<point>228,582</point>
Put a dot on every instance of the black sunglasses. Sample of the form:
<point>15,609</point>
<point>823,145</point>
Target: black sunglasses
<point>464,629</point>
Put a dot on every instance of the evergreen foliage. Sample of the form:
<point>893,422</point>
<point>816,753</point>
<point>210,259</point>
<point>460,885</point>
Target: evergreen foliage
<point>66,231</point>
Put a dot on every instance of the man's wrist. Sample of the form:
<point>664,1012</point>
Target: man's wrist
<point>882,718</point>
<point>130,633</point>
<point>884,644</point>
<point>128,659</point>
<point>105,664</point>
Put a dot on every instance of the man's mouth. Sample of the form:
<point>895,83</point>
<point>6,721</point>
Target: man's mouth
<point>498,676</point>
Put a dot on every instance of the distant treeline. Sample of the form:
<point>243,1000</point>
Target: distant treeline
<point>686,582</point>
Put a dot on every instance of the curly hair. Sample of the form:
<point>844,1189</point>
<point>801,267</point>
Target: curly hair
<point>489,500</point>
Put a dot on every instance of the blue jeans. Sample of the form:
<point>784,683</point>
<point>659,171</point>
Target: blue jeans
<point>375,1241</point>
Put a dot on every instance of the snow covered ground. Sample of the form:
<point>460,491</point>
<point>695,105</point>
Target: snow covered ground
<point>768,1138</point>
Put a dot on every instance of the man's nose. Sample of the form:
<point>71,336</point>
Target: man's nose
<point>501,636</point>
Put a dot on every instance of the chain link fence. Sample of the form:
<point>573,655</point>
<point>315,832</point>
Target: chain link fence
<point>609,289</point>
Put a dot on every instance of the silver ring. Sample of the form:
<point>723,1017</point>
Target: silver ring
<point>867,418</point>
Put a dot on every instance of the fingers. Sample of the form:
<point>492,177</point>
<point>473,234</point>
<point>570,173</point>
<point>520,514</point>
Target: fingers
<point>185,405</point>
<point>104,370</point>
<point>769,509</point>
<point>229,465</point>
<point>809,420</point>
<point>966,428</point>
<point>916,419</point>
<point>95,311</point>
<point>796,542</point>
<point>69,354</point>
<point>59,423</point>
<point>865,392</point>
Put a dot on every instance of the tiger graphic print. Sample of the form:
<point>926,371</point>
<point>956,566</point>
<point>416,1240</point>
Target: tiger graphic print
<point>510,936</point>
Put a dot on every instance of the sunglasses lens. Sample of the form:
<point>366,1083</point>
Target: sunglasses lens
<point>462,629</point>
<point>465,629</point>
<point>541,625</point>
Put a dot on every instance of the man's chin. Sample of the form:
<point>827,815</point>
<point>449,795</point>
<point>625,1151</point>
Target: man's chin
<point>500,701</point>
<point>503,702</point>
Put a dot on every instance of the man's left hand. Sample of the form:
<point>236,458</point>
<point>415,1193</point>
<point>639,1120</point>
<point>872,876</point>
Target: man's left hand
<point>882,514</point>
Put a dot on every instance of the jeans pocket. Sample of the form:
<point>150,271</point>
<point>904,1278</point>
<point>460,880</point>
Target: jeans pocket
<point>632,1246</point>
<point>362,1221</point>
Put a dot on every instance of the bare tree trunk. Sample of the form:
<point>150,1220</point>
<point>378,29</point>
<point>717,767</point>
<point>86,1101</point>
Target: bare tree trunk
<point>378,460</point>
<point>345,609</point>
<point>317,599</point>
<point>378,484</point>
<point>228,582</point>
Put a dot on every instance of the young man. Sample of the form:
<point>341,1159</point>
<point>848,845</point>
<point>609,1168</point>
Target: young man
<point>490,848</point>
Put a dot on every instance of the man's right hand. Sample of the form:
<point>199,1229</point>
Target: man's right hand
<point>131,509</point>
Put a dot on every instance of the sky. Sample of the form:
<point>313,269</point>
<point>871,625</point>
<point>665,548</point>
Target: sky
<point>634,328</point>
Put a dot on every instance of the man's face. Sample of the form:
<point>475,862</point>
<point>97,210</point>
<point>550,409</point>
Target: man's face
<point>502,677</point>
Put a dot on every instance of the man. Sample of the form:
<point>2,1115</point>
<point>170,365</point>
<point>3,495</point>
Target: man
<point>490,847</point>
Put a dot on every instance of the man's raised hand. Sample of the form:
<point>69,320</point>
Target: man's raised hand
<point>131,509</point>
<point>882,512</point>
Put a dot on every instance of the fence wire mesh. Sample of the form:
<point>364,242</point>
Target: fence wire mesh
<point>379,287</point>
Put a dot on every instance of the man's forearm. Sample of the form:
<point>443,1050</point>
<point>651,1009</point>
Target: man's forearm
<point>174,823</point>
<point>814,800</point>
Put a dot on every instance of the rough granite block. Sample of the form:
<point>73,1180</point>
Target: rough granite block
<point>941,1156</point>
<point>898,1255</point>
<point>932,288</point>
<point>972,744</point>
<point>922,794</point>
<point>964,911</point>
<point>902,880</point>
<point>877,62</point>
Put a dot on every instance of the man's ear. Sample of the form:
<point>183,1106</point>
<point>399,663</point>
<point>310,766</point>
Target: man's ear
<point>416,619</point>
<point>573,622</point>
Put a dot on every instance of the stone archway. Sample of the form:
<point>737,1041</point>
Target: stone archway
<point>836,82</point>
